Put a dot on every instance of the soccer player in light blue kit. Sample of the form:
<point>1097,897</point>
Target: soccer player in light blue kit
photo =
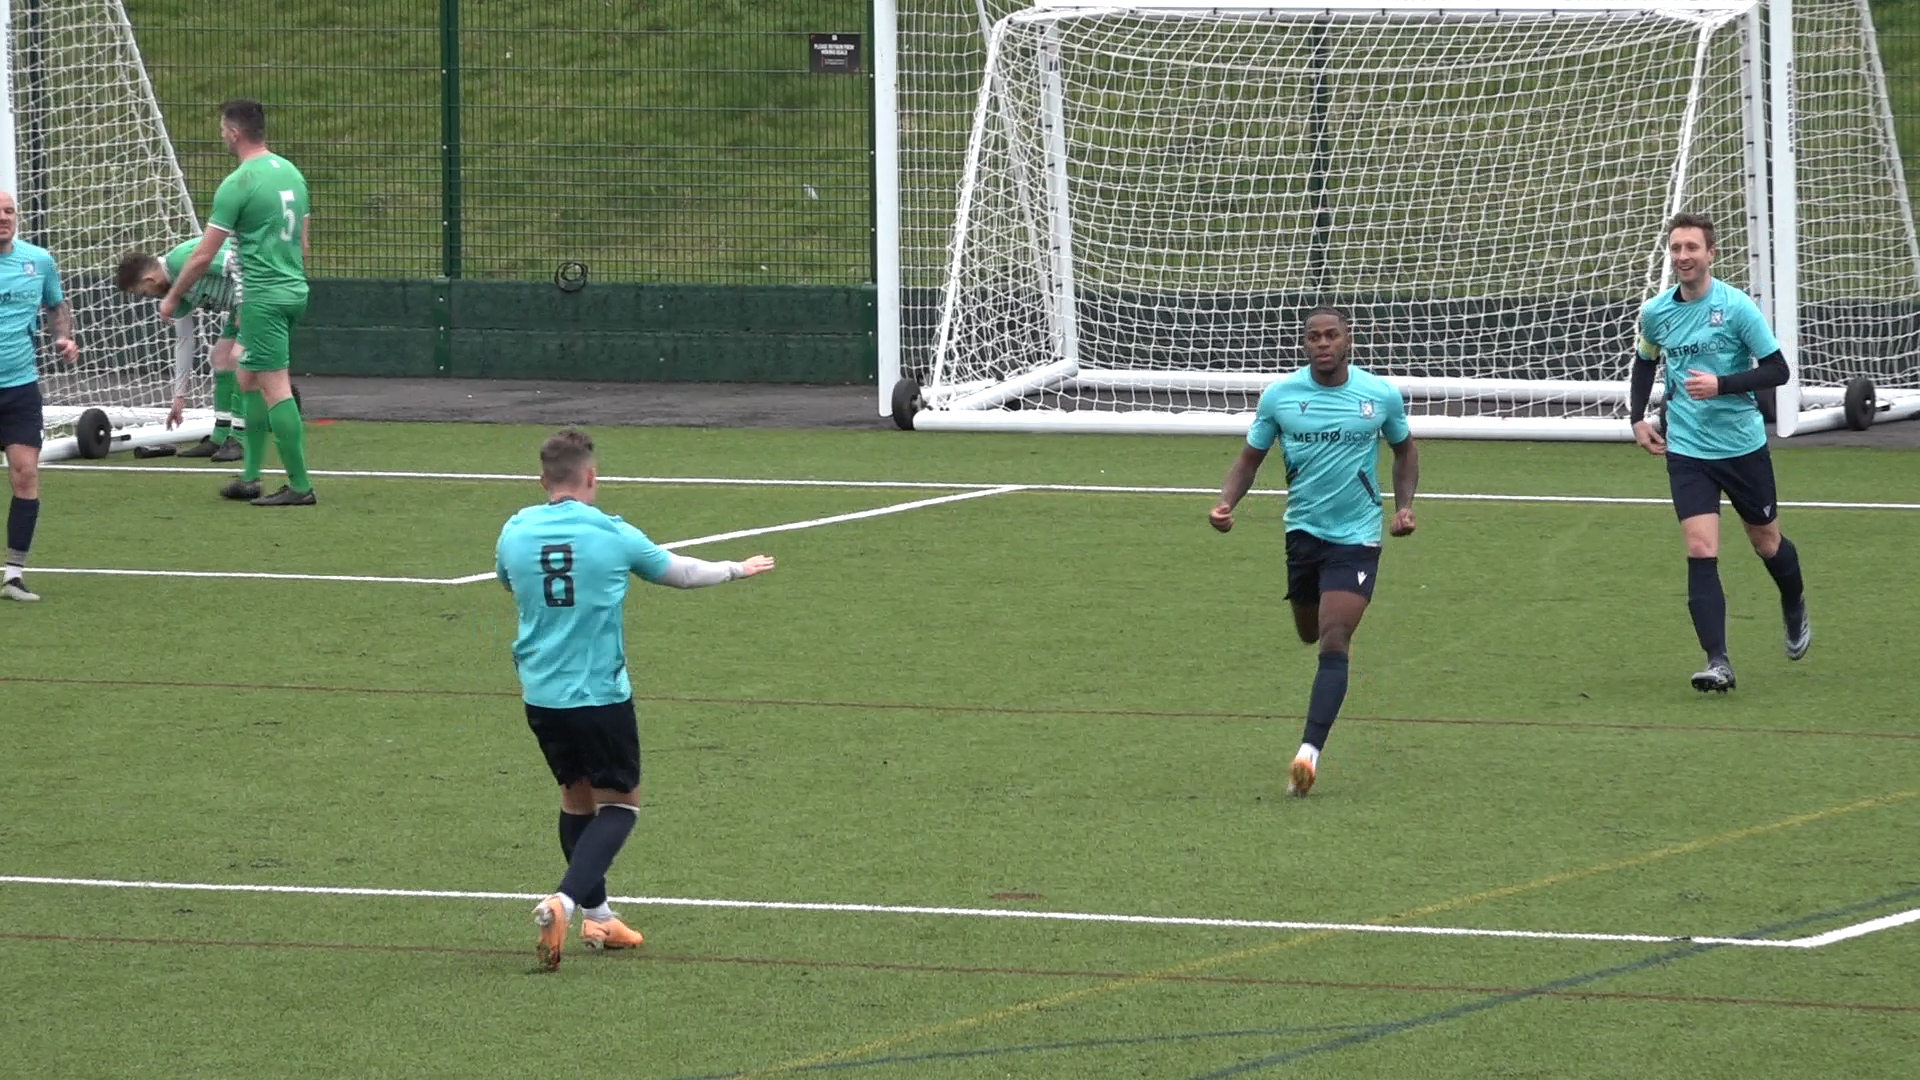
<point>1716,347</point>
<point>1328,418</point>
<point>29,284</point>
<point>566,564</point>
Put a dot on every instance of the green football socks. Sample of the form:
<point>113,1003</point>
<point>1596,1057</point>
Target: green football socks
<point>253,409</point>
<point>226,387</point>
<point>290,437</point>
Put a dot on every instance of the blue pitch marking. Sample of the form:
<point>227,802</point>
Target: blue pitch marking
<point>1035,1048</point>
<point>1376,1032</point>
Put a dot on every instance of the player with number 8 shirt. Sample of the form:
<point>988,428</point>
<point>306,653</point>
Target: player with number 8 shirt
<point>567,565</point>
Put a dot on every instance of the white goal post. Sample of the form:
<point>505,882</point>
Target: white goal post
<point>1103,216</point>
<point>85,152</point>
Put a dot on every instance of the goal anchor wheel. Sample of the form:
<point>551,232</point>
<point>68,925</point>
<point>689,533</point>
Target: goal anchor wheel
<point>93,433</point>
<point>906,402</point>
<point>1859,403</point>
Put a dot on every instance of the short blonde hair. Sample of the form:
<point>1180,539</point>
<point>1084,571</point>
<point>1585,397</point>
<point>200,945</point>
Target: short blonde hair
<point>565,455</point>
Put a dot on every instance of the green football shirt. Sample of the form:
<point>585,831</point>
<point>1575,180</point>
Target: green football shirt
<point>263,204</point>
<point>215,288</point>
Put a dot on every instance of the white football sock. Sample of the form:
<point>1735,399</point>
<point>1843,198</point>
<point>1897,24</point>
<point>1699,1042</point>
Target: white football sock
<point>599,912</point>
<point>1311,753</point>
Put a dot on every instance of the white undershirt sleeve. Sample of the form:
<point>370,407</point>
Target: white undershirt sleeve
<point>186,346</point>
<point>688,573</point>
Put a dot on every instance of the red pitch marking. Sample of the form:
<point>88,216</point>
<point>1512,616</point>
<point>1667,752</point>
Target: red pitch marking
<point>947,969</point>
<point>979,710</point>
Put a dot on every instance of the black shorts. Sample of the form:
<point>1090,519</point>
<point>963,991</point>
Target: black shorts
<point>1315,566</point>
<point>1747,481</point>
<point>596,743</point>
<point>21,417</point>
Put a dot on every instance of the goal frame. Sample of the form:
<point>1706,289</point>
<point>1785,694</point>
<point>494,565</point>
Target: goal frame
<point>111,425</point>
<point>1767,63</point>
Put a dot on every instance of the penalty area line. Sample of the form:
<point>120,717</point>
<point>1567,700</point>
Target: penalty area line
<point>487,575</point>
<point>936,485</point>
<point>1815,941</point>
<point>809,523</point>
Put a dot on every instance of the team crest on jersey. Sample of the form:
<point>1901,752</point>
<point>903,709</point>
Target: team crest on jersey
<point>1714,318</point>
<point>1366,410</point>
<point>27,267</point>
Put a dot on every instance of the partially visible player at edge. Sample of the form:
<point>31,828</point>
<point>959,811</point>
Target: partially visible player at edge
<point>566,564</point>
<point>262,204</point>
<point>151,275</point>
<point>29,284</point>
<point>1328,418</point>
<point>1716,346</point>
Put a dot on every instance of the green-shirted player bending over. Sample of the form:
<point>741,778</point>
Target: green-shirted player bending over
<point>1329,418</point>
<point>151,275</point>
<point>263,206</point>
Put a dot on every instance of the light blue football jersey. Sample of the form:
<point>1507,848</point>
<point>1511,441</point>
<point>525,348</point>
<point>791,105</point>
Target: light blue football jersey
<point>1329,438</point>
<point>566,564</point>
<point>1722,333</point>
<point>28,282</point>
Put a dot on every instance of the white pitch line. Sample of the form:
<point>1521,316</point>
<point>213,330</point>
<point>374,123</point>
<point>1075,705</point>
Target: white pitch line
<point>107,572</point>
<point>1871,926</point>
<point>934,485</point>
<point>1814,942</point>
<point>488,575</point>
<point>857,515</point>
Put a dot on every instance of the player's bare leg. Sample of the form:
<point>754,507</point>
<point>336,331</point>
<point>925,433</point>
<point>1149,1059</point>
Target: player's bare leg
<point>1706,601</point>
<point>1306,621</point>
<point>1334,621</point>
<point>23,514</point>
<point>1782,561</point>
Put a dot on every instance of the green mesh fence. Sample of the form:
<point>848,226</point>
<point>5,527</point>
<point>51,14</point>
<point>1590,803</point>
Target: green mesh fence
<point>675,141</point>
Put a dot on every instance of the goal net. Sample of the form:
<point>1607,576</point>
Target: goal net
<point>86,154</point>
<point>1148,199</point>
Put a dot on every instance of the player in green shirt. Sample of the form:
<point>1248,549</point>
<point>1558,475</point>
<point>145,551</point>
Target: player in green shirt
<point>262,205</point>
<point>150,275</point>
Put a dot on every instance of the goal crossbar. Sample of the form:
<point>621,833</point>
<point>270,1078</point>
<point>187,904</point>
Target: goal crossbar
<point>1697,8</point>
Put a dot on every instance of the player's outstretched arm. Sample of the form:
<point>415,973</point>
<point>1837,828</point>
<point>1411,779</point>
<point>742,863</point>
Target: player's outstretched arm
<point>1238,482</point>
<point>1406,479</point>
<point>682,572</point>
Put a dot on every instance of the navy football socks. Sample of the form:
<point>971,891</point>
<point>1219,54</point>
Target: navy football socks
<point>1329,690</point>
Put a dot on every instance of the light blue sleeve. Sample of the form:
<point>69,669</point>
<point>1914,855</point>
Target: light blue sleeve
<point>500,561</point>
<point>1754,332</point>
<point>1266,422</point>
<point>50,292</point>
<point>644,557</point>
<point>1393,416</point>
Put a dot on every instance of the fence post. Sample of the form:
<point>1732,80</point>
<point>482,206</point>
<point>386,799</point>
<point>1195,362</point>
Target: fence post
<point>450,138</point>
<point>449,186</point>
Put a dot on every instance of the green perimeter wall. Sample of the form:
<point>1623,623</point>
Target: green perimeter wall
<point>626,332</point>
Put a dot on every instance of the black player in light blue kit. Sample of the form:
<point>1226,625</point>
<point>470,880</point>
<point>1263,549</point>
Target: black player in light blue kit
<point>1718,356</point>
<point>1328,418</point>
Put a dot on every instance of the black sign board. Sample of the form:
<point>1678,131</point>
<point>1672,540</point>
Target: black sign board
<point>833,54</point>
